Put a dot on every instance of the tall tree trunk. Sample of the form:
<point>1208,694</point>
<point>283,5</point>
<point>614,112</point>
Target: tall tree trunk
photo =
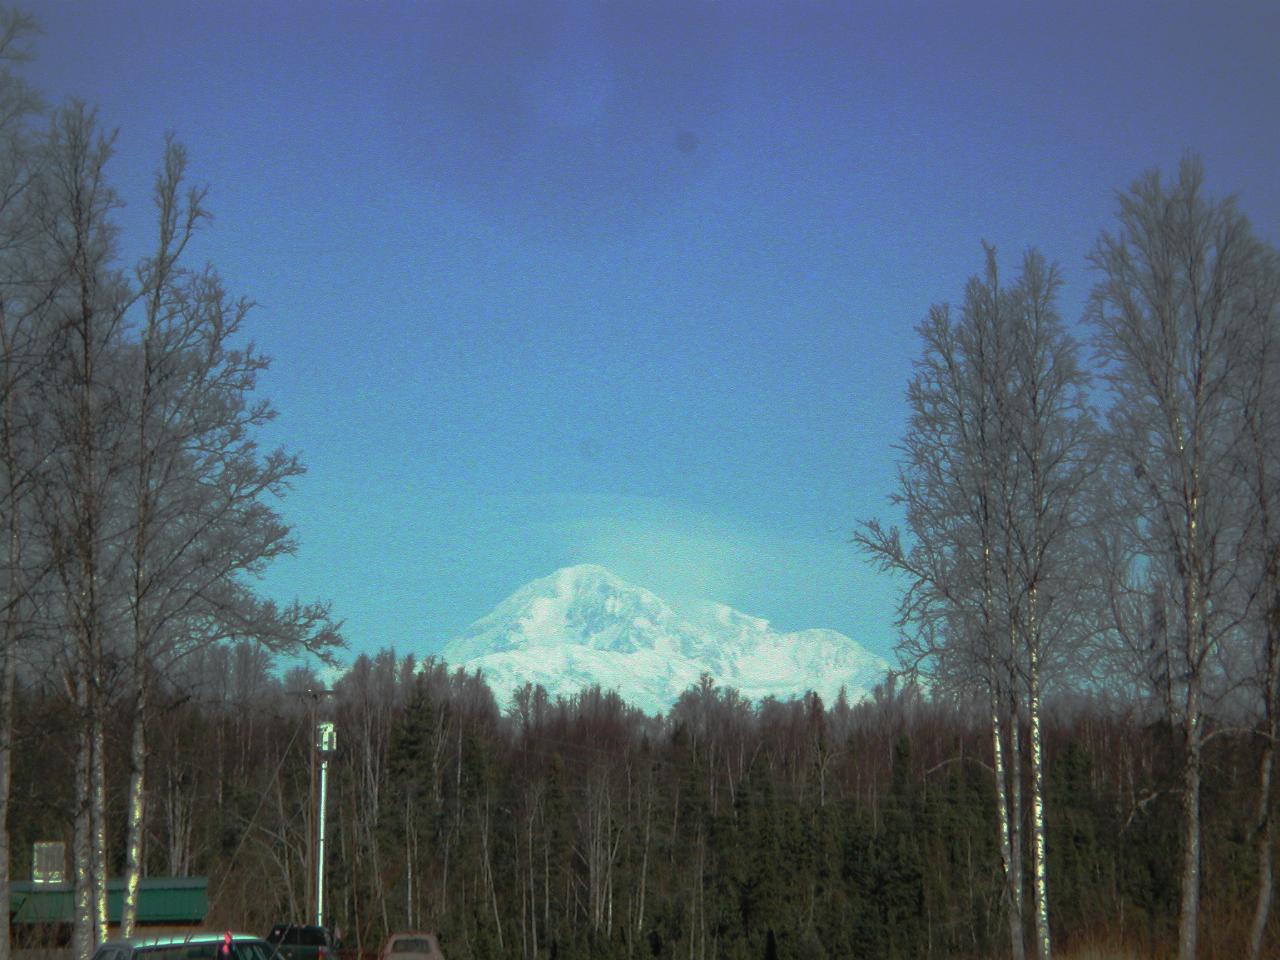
<point>136,801</point>
<point>488,872</point>
<point>1264,823</point>
<point>1189,907</point>
<point>1264,833</point>
<point>86,328</point>
<point>179,815</point>
<point>410,852</point>
<point>136,811</point>
<point>15,342</point>
<point>1015,806</point>
<point>9,656</point>
<point>1039,876</point>
<point>98,816</point>
<point>8,675</point>
<point>1194,644</point>
<point>82,942</point>
<point>13,596</point>
<point>1006,748</point>
<point>644,857</point>
<point>1012,874</point>
<point>533,885</point>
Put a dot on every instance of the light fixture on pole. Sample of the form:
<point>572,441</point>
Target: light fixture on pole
<point>326,744</point>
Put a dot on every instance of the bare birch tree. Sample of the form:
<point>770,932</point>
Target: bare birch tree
<point>1047,471</point>
<point>86,303</point>
<point>955,627</point>
<point>996,468</point>
<point>1257,389</point>
<point>1177,294</point>
<point>20,349</point>
<point>197,485</point>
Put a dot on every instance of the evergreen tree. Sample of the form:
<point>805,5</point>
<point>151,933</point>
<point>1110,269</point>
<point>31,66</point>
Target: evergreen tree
<point>900,864</point>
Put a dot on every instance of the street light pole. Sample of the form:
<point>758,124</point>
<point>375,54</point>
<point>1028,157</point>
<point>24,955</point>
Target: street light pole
<point>326,743</point>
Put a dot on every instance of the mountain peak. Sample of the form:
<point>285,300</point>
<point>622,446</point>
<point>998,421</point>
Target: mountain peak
<point>582,625</point>
<point>583,577</point>
<point>584,571</point>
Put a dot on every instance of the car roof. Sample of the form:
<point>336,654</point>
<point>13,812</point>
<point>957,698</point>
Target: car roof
<point>178,939</point>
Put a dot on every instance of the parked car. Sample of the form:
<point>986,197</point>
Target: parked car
<point>208,945</point>
<point>302,941</point>
<point>411,946</point>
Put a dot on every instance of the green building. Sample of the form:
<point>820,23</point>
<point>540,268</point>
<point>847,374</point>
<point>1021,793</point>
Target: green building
<point>42,914</point>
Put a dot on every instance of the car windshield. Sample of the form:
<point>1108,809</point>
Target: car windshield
<point>298,936</point>
<point>411,945</point>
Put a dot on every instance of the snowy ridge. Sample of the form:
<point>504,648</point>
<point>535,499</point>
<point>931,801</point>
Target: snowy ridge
<point>582,625</point>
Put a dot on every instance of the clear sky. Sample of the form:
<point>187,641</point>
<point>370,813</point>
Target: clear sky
<point>635,283</point>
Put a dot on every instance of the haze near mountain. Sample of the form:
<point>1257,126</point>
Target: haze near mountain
<point>582,625</point>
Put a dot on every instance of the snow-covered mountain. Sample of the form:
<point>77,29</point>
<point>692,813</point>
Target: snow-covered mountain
<point>582,625</point>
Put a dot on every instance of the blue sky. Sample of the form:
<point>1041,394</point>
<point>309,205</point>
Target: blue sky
<point>635,283</point>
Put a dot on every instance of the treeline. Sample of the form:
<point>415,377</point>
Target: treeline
<point>582,828</point>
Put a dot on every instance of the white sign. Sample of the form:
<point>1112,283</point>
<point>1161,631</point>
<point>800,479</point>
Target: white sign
<point>49,863</point>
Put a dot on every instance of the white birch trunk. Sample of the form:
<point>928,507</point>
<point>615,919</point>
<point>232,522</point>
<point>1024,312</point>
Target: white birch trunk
<point>1015,806</point>
<point>98,816</point>
<point>1039,877</point>
<point>136,804</point>
<point>82,942</point>
<point>138,740</point>
<point>1012,895</point>
<point>1194,611</point>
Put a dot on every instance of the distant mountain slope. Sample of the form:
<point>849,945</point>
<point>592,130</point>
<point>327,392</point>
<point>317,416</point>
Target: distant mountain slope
<point>582,625</point>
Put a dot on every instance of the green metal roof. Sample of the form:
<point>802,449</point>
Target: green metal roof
<point>50,903</point>
<point>160,900</point>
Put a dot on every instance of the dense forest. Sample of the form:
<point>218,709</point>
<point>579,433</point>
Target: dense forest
<point>582,828</point>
